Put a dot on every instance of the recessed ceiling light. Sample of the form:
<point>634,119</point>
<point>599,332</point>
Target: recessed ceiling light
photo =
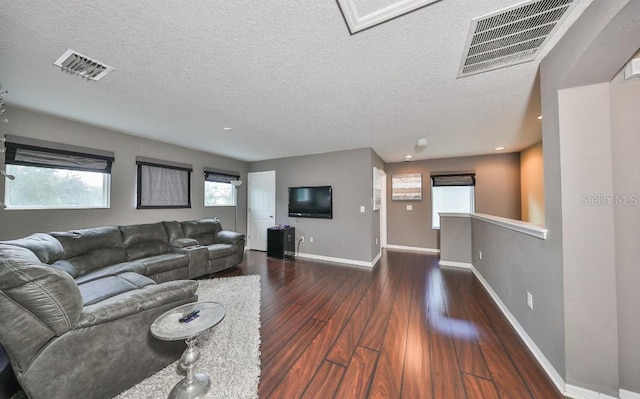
<point>227,129</point>
<point>500,148</point>
<point>422,143</point>
<point>408,157</point>
<point>539,117</point>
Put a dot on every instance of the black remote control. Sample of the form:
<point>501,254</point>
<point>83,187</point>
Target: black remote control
<point>189,316</point>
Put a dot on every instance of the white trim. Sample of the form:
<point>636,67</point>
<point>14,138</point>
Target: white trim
<point>357,23</point>
<point>516,225</point>
<point>336,260</point>
<point>462,265</point>
<point>419,249</point>
<point>568,390</point>
<point>576,392</point>
<point>377,258</point>
<point>624,394</point>
<point>537,353</point>
<point>454,215</point>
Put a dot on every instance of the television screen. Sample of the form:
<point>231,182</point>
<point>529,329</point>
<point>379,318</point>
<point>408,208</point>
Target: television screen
<point>311,202</point>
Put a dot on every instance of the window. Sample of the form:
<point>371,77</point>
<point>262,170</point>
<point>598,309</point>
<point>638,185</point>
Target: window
<point>219,188</point>
<point>47,175</point>
<point>163,184</point>
<point>452,194</point>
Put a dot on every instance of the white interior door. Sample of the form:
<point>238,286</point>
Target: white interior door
<point>261,212</point>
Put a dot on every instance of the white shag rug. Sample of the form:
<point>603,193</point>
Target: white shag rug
<point>229,352</point>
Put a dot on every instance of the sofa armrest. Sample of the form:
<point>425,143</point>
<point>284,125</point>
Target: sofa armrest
<point>183,243</point>
<point>135,301</point>
<point>229,237</point>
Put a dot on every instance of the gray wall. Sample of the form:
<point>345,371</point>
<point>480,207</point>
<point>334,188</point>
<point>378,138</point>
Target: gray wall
<point>349,234</point>
<point>18,223</point>
<point>455,235</point>
<point>625,125</point>
<point>514,264</point>
<point>571,274</point>
<point>589,242</point>
<point>592,52</point>
<point>497,193</point>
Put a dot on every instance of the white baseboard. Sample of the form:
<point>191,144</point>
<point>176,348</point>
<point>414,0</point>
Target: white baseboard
<point>418,249</point>
<point>336,260</point>
<point>546,365</point>
<point>624,394</point>
<point>376,259</point>
<point>576,392</point>
<point>450,263</point>
<point>567,390</point>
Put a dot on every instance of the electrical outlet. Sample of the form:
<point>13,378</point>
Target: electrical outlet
<point>409,207</point>
<point>301,238</point>
<point>376,240</point>
<point>480,255</point>
<point>362,209</point>
<point>529,300</point>
<point>310,239</point>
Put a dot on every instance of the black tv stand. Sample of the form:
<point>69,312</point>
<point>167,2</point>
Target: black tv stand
<point>281,242</point>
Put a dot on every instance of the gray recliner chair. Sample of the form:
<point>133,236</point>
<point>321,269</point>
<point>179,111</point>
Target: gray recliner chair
<point>64,343</point>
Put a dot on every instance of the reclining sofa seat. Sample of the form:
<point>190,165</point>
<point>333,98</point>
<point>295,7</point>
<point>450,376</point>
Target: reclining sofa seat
<point>224,249</point>
<point>66,343</point>
<point>77,305</point>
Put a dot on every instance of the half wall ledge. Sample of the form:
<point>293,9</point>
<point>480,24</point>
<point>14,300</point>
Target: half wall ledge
<point>511,224</point>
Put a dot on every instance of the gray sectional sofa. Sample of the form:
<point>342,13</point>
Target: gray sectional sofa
<point>76,306</point>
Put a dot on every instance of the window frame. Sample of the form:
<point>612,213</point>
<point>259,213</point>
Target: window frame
<point>220,176</point>
<point>140,162</point>
<point>451,180</point>
<point>106,193</point>
<point>36,153</point>
<point>234,191</point>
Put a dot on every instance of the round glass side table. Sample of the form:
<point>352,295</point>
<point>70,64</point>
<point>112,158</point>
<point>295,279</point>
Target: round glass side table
<point>168,327</point>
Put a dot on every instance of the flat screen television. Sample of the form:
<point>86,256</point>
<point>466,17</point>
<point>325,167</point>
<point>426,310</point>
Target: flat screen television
<point>311,202</point>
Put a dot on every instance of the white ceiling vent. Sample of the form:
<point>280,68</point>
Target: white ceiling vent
<point>512,35</point>
<point>74,62</point>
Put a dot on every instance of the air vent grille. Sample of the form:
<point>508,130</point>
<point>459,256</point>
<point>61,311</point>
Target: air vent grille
<point>511,36</point>
<point>76,63</point>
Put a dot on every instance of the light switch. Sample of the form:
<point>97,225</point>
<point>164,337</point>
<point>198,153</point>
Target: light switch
<point>409,207</point>
<point>361,208</point>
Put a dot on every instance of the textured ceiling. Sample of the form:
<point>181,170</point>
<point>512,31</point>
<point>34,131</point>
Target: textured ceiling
<point>287,76</point>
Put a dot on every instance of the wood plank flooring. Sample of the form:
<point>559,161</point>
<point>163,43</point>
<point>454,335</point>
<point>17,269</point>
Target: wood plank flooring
<point>404,329</point>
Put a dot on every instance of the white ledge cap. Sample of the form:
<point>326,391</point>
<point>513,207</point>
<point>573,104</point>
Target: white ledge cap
<point>511,224</point>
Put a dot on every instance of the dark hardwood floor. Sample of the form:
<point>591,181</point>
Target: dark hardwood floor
<point>404,329</point>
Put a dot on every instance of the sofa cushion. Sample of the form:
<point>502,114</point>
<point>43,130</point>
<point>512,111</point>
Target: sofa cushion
<point>131,302</point>
<point>90,249</point>
<point>217,251</point>
<point>65,266</point>
<point>183,243</point>
<point>144,240</point>
<point>162,263</point>
<point>229,237</point>
<point>113,270</point>
<point>107,287</point>
<point>203,230</point>
<point>46,247</point>
<point>174,230</point>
